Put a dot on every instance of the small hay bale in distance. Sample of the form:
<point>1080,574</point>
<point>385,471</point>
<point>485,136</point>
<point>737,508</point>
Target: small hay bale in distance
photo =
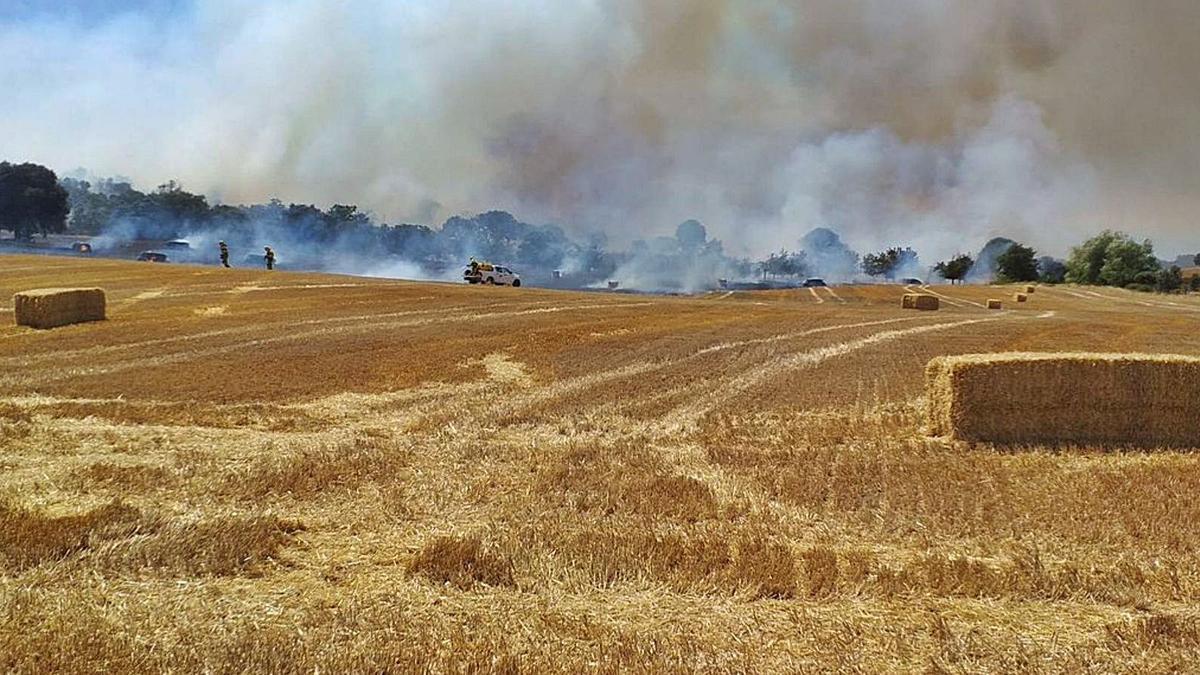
<point>53,307</point>
<point>994,304</point>
<point>1141,400</point>
<point>1030,289</point>
<point>922,301</point>
<point>1020,297</point>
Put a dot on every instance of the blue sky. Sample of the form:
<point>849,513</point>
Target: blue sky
<point>88,11</point>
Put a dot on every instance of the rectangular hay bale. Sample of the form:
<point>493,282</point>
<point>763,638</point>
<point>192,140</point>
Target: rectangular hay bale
<point>53,307</point>
<point>922,301</point>
<point>1030,289</point>
<point>1142,400</point>
<point>994,304</point>
<point>1020,297</point>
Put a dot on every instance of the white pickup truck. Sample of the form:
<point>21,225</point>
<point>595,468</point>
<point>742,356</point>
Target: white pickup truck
<point>487,273</point>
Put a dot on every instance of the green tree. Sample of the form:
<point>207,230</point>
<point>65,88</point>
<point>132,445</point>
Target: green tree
<point>1018,263</point>
<point>544,247</point>
<point>1112,259</point>
<point>1169,280</point>
<point>180,205</point>
<point>1085,261</point>
<point>1128,262</point>
<point>985,261</point>
<point>1051,270</point>
<point>956,268</point>
<point>346,217</point>
<point>784,264</point>
<point>886,263</point>
<point>90,211</point>
<point>31,200</point>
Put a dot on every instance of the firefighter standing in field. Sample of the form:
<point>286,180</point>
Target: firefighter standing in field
<point>224,254</point>
<point>269,257</point>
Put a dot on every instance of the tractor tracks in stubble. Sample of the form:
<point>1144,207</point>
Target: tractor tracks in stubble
<point>361,327</point>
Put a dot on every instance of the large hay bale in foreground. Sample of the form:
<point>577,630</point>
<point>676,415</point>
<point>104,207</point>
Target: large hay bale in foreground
<point>1019,398</point>
<point>1020,297</point>
<point>994,304</point>
<point>919,301</point>
<point>51,307</point>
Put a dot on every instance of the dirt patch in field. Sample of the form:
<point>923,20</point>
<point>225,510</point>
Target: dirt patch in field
<point>502,368</point>
<point>210,312</point>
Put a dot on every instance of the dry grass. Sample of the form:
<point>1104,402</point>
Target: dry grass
<point>624,479</point>
<point>347,478</point>
<point>117,536</point>
<point>313,469</point>
<point>28,538</point>
<point>130,477</point>
<point>462,562</point>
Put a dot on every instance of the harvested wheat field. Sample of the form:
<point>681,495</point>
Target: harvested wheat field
<point>250,472</point>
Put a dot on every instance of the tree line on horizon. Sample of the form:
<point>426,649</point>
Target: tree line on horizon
<point>1108,259</point>
<point>35,201</point>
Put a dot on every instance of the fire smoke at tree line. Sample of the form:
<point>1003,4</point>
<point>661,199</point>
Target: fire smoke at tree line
<point>33,200</point>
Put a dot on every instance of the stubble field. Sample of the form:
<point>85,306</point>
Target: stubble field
<point>243,471</point>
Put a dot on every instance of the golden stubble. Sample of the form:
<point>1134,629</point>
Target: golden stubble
<point>382,475</point>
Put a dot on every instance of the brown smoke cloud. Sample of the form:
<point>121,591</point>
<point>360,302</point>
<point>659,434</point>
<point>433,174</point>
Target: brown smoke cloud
<point>929,121</point>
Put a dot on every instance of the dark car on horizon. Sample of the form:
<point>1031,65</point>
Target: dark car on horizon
<point>152,256</point>
<point>814,282</point>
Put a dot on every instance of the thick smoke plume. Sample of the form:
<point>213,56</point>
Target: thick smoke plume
<point>931,123</point>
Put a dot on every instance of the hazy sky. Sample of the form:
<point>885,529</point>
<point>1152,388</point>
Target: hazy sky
<point>930,122</point>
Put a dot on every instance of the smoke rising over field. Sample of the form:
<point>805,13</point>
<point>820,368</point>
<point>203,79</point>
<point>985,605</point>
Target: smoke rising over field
<point>932,123</point>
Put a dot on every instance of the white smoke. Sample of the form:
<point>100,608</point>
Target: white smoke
<point>1008,176</point>
<point>947,121</point>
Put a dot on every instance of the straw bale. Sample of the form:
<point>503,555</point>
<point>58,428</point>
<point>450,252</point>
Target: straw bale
<point>51,307</point>
<point>1020,297</point>
<point>1030,289</point>
<point>921,301</point>
<point>994,304</point>
<point>1139,400</point>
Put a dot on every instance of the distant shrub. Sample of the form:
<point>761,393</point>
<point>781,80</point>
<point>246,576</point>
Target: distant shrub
<point>1169,280</point>
<point>1146,278</point>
